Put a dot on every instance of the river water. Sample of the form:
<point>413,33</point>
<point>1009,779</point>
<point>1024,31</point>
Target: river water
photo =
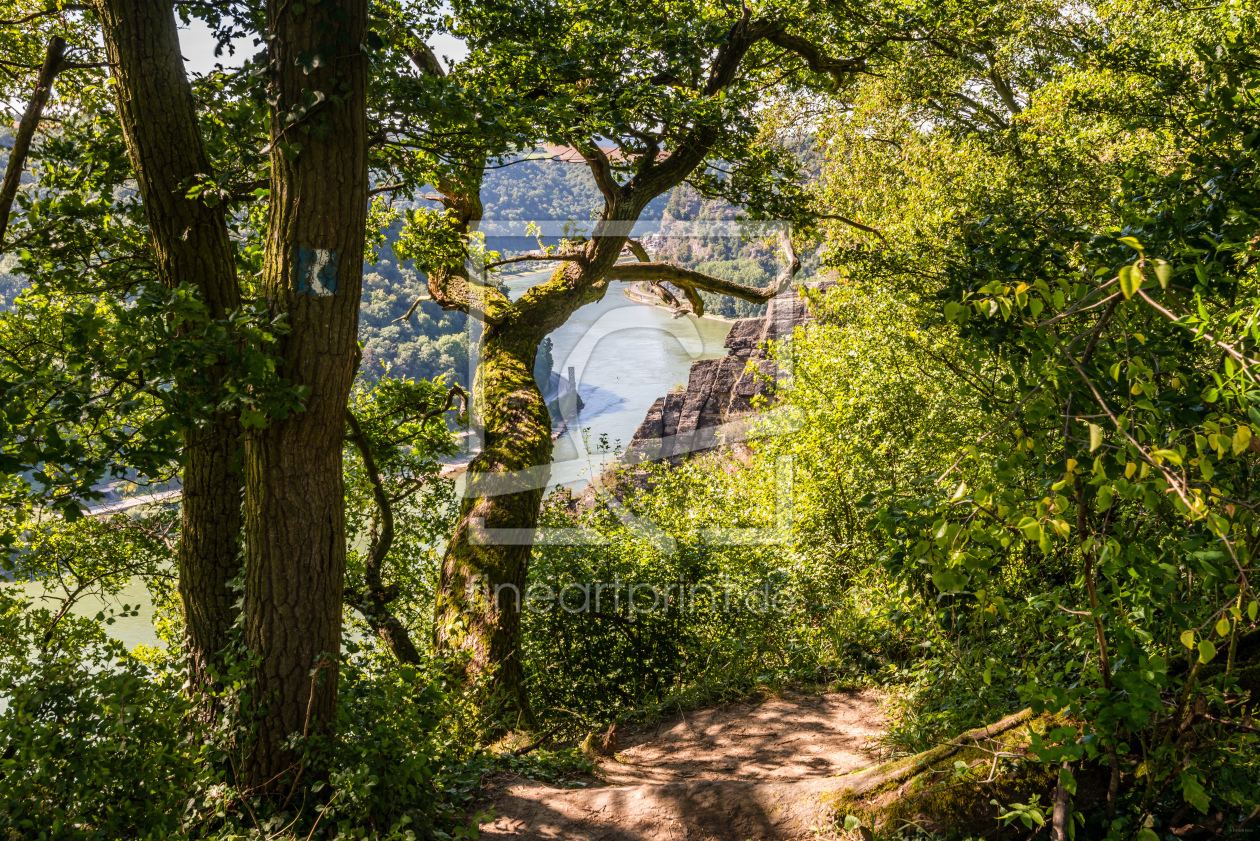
<point>624,355</point>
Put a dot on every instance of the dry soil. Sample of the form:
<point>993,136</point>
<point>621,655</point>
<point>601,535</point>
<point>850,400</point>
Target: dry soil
<point>745,771</point>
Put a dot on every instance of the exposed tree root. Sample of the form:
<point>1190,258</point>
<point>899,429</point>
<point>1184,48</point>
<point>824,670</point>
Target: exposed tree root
<point>954,786</point>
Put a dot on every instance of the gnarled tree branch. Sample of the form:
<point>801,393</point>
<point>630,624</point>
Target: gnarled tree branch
<point>661,292</point>
<point>692,282</point>
<point>374,601</point>
<point>527,257</point>
<point>601,168</point>
<point>839,69</point>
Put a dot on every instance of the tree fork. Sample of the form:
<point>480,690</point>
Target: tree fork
<point>491,545</point>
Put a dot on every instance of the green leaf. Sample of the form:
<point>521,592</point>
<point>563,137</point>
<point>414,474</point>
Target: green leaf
<point>1222,627</point>
<point>1187,639</point>
<point>851,822</point>
<point>1095,437</point>
<point>1067,780</point>
<point>1105,497</point>
<point>949,581</point>
<point>1130,280</point>
<point>951,312</point>
<point>1192,791</point>
<point>1242,437</point>
<point>1163,272</point>
<point>1252,610</point>
<point>1206,651</point>
<point>1132,243</point>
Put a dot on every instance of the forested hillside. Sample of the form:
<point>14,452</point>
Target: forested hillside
<point>972,556</point>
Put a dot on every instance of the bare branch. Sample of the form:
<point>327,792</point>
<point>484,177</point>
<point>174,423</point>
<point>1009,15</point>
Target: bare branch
<point>979,108</point>
<point>661,292</point>
<point>839,69</point>
<point>244,190</point>
<point>851,223</point>
<point>1229,349</point>
<point>526,257</point>
<point>637,249</point>
<point>1003,89</point>
<point>601,168</point>
<point>51,10</point>
<point>26,128</point>
<point>386,188</point>
<point>409,312</point>
<point>385,538</point>
<point>425,60</point>
<point>691,282</point>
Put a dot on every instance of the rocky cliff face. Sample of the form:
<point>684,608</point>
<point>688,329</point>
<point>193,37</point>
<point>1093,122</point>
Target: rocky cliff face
<point>719,391</point>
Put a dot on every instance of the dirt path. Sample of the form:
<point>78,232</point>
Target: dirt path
<point>747,771</point>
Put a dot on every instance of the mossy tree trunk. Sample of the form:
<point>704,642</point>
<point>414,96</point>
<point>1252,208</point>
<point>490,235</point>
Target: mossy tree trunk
<point>482,588</point>
<point>191,245</point>
<point>484,572</point>
<point>312,275</point>
<point>490,548</point>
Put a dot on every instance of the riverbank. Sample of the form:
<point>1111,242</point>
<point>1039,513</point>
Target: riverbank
<point>638,293</point>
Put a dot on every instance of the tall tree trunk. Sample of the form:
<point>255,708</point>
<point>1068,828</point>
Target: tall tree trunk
<point>191,245</point>
<point>482,587</point>
<point>481,591</point>
<point>295,520</point>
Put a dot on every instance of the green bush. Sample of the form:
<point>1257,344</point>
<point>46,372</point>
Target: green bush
<point>93,745</point>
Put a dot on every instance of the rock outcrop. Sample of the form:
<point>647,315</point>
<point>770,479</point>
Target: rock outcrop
<point>719,391</point>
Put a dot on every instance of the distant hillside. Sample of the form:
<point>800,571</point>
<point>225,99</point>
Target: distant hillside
<point>434,342</point>
<point>541,190</point>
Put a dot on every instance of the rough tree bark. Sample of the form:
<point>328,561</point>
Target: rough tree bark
<point>491,545</point>
<point>295,521</point>
<point>190,245</point>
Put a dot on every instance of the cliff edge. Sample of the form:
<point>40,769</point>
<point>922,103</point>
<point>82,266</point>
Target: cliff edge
<point>720,391</point>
